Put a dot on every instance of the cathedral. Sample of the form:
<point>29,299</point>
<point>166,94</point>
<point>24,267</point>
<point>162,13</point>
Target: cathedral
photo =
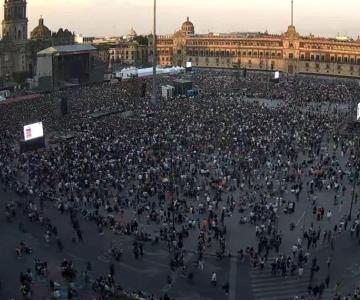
<point>13,46</point>
<point>17,52</point>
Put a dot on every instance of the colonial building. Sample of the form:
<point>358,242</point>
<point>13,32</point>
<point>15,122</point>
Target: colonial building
<point>289,52</point>
<point>17,52</point>
<point>129,53</point>
<point>14,39</point>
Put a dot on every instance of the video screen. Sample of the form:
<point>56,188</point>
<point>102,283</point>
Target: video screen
<point>188,64</point>
<point>277,75</point>
<point>33,131</point>
<point>358,112</point>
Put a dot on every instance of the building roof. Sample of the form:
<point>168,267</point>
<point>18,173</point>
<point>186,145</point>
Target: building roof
<point>41,31</point>
<point>68,49</point>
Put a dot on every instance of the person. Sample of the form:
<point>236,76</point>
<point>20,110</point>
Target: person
<point>213,279</point>
<point>327,280</point>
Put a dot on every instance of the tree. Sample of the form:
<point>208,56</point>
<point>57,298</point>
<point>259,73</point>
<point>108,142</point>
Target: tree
<point>20,77</point>
<point>142,40</point>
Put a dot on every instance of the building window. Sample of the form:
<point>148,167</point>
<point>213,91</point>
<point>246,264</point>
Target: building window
<point>317,66</point>
<point>307,65</point>
<point>291,55</point>
<point>312,57</point>
<point>249,62</point>
<point>345,59</point>
<point>339,59</point>
<point>332,58</point>
<point>322,57</point>
<point>302,57</point>
<point>317,57</point>
<point>327,66</point>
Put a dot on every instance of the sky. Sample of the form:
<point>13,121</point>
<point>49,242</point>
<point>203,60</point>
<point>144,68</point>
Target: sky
<point>115,17</point>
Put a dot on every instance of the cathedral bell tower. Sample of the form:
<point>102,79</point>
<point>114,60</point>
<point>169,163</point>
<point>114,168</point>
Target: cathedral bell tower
<point>14,25</point>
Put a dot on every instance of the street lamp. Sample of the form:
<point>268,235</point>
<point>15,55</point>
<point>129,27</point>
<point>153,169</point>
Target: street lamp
<point>154,100</point>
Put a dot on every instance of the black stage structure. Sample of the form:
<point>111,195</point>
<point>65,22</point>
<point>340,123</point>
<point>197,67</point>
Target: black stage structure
<point>60,67</point>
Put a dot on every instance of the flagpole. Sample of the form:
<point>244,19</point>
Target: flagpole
<point>154,99</point>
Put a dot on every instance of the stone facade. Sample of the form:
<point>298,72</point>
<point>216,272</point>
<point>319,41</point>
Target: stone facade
<point>13,46</point>
<point>17,52</point>
<point>128,53</point>
<point>289,52</point>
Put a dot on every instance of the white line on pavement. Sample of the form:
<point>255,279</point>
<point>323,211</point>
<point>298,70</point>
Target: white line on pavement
<point>232,277</point>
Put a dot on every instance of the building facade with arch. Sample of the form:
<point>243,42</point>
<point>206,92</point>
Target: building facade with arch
<point>289,52</point>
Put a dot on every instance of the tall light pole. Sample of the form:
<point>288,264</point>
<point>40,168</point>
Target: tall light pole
<point>154,100</point>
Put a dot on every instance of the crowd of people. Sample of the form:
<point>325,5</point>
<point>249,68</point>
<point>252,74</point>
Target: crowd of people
<point>186,168</point>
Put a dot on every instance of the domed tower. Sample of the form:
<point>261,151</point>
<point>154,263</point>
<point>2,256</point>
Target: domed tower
<point>187,27</point>
<point>131,34</point>
<point>15,23</point>
<point>40,32</point>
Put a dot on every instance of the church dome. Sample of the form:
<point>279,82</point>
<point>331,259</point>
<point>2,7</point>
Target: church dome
<point>40,32</point>
<point>132,33</point>
<point>188,27</point>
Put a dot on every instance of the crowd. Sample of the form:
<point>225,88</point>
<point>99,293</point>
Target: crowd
<point>187,168</point>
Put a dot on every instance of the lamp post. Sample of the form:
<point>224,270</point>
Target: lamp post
<point>154,100</point>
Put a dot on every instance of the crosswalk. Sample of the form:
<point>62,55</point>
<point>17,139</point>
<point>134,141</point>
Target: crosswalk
<point>265,286</point>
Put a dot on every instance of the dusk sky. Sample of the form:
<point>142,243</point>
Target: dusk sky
<point>116,17</point>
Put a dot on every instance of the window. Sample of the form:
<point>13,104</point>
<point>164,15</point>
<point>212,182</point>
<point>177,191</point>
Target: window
<point>345,59</point>
<point>249,62</point>
<point>312,57</point>
<point>339,59</point>
<point>307,65</point>
<point>317,66</point>
<point>332,58</point>
<point>302,57</point>
<point>291,55</point>
<point>327,66</point>
<point>322,57</point>
<point>317,57</point>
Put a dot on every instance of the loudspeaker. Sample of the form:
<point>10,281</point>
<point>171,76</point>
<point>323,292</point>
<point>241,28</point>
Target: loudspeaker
<point>64,106</point>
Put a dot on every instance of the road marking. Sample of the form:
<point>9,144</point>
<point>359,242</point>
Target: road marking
<point>303,215</point>
<point>232,277</point>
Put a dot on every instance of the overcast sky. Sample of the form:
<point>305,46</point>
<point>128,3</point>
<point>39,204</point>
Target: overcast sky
<point>116,17</point>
